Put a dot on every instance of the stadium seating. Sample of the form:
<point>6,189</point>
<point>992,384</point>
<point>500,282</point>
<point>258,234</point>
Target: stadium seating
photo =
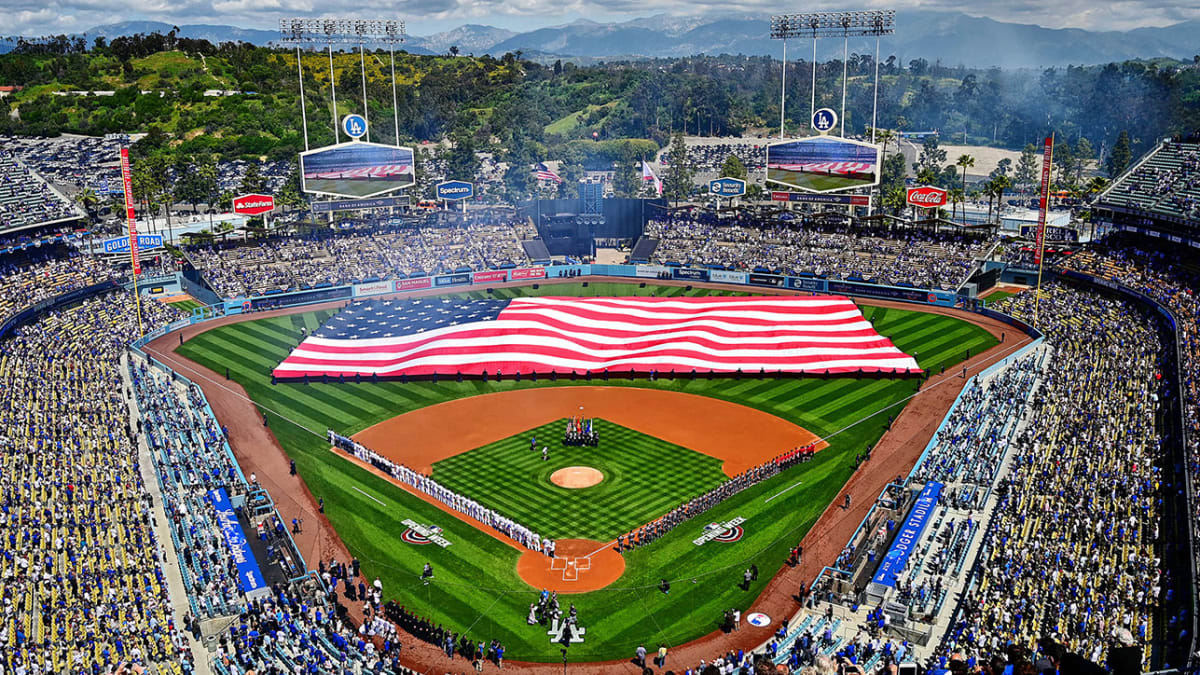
<point>47,272</point>
<point>1166,183</point>
<point>249,268</point>
<point>918,258</point>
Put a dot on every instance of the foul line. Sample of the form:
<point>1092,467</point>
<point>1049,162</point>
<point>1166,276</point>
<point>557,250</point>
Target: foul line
<point>368,496</point>
<point>768,499</point>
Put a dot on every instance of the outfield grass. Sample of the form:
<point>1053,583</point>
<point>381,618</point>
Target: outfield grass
<point>477,587</point>
<point>186,305</point>
<point>996,297</point>
<point>644,477</point>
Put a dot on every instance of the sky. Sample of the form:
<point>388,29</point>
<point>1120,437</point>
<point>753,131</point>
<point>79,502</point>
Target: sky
<point>43,17</point>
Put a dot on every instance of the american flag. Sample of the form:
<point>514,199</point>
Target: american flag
<point>563,335</point>
<point>826,167</point>
<point>382,171</point>
<point>544,173</point>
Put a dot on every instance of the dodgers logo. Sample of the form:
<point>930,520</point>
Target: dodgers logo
<point>758,619</point>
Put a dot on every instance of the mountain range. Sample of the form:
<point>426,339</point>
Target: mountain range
<point>949,37</point>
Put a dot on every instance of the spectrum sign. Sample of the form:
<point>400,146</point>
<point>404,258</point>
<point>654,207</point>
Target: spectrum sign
<point>455,189</point>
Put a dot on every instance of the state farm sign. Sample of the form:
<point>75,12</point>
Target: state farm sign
<point>926,197</point>
<point>253,205</point>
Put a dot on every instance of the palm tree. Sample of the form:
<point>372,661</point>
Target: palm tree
<point>895,200</point>
<point>88,199</point>
<point>1001,184</point>
<point>965,162</point>
<point>956,198</point>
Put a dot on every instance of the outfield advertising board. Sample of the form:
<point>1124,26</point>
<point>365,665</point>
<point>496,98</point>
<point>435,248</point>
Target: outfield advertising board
<point>356,170</point>
<point>689,274</point>
<point>452,279</point>
<point>766,280</point>
<point>727,277</point>
<point>373,288</point>
<point>490,275</point>
<point>522,273</point>
<point>802,284</point>
<point>413,284</point>
<point>823,164</point>
<point>651,271</point>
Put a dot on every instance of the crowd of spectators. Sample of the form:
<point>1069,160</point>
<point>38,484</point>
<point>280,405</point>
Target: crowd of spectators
<point>1166,183</point>
<point>921,258</point>
<point>1071,548</point>
<point>45,272</point>
<point>80,578</point>
<point>384,252</point>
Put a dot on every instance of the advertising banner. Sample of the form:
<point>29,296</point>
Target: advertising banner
<point>413,284</point>
<point>909,294</point>
<point>651,271</point>
<point>249,575</point>
<point>127,182</point>
<point>527,273</point>
<point>806,284</point>
<point>727,187</point>
<point>121,244</point>
<point>926,197</point>
<point>373,288</point>
<point>356,204</point>
<point>452,279</point>
<point>727,277</point>
<point>490,275</point>
<point>908,536</point>
<point>301,298</point>
<point>253,204</point>
<point>688,274</point>
<point>767,280</point>
<point>1043,200</point>
<point>848,200</point>
<point>455,189</point>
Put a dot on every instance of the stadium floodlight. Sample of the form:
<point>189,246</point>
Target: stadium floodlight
<point>871,22</point>
<point>341,31</point>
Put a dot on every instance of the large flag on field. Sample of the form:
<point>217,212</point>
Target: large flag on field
<point>563,335</point>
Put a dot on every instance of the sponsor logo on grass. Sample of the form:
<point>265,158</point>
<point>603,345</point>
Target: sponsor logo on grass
<point>726,532</point>
<point>423,534</point>
<point>758,619</point>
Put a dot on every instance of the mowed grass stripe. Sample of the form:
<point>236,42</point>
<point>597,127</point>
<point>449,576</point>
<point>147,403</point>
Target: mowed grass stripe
<point>644,477</point>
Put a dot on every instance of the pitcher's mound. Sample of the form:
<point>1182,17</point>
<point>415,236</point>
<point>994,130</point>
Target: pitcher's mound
<point>576,477</point>
<point>579,566</point>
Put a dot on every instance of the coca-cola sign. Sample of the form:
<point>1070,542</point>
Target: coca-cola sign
<point>926,197</point>
<point>253,205</point>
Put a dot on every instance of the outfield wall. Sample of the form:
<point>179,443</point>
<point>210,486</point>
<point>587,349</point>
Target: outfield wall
<point>752,280</point>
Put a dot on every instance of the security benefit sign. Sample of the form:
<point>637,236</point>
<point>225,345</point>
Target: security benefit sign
<point>727,187</point>
<point>356,170</point>
<point>725,533</point>
<point>823,164</point>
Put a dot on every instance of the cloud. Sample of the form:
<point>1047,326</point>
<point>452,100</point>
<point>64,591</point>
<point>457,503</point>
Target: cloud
<point>34,17</point>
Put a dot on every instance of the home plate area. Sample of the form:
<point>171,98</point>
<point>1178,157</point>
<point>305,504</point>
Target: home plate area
<point>571,567</point>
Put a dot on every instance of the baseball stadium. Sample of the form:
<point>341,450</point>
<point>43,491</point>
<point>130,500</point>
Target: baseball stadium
<point>585,429</point>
